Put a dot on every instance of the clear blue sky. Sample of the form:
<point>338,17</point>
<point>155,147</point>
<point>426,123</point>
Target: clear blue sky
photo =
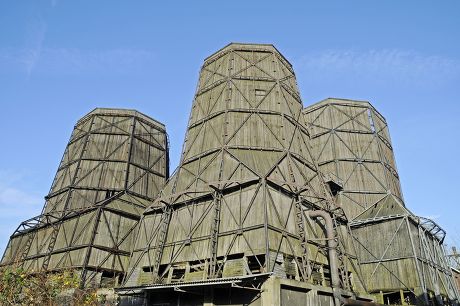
<point>60,59</point>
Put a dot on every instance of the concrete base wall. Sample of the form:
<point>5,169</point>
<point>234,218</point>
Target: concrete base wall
<point>274,291</point>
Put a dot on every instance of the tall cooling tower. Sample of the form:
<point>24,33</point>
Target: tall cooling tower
<point>407,263</point>
<point>352,144</point>
<point>247,199</point>
<point>115,163</point>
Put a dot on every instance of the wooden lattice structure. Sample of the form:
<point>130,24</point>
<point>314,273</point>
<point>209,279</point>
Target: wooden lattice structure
<point>238,205</point>
<point>272,203</point>
<point>407,263</point>
<point>408,260</point>
<point>115,163</point>
<point>352,145</point>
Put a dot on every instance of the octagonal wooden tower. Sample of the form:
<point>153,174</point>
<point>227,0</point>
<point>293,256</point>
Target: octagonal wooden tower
<point>115,163</point>
<point>240,203</point>
<point>351,142</point>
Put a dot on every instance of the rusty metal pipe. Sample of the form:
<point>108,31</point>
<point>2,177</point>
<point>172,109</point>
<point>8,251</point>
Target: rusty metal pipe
<point>331,244</point>
<point>332,254</point>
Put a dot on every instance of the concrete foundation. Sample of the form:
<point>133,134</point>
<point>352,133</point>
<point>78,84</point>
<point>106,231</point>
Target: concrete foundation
<point>273,291</point>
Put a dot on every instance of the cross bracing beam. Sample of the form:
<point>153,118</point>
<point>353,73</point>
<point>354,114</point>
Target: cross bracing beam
<point>232,199</point>
<point>115,163</point>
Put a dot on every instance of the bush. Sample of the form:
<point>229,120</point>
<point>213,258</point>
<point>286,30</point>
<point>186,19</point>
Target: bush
<point>20,288</point>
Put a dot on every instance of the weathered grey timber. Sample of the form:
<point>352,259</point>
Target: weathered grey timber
<point>352,145</point>
<point>408,258</point>
<point>239,203</point>
<point>115,163</point>
<point>271,204</point>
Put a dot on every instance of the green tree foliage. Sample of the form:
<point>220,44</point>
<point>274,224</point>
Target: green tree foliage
<point>19,288</point>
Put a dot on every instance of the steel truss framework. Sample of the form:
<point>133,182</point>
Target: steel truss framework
<point>352,143</point>
<point>114,165</point>
<point>237,204</point>
<point>454,259</point>
<point>255,168</point>
<point>409,255</point>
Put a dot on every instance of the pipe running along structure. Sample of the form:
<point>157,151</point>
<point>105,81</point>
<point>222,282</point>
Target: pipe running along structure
<point>332,254</point>
<point>331,244</point>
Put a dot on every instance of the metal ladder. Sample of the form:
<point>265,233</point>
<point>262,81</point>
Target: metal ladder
<point>161,240</point>
<point>306,269</point>
<point>51,244</point>
<point>214,234</point>
<point>26,249</point>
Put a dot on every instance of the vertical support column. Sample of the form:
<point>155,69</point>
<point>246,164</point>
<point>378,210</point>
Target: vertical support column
<point>271,292</point>
<point>379,141</point>
<point>450,278</point>
<point>421,279</point>
<point>401,295</point>
<point>130,149</point>
<point>380,297</point>
<point>267,243</point>
<point>88,253</point>
<point>75,177</point>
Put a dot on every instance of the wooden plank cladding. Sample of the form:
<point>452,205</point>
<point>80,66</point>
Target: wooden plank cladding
<point>271,204</point>
<point>109,151</point>
<point>352,143</point>
<point>239,202</point>
<point>116,161</point>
